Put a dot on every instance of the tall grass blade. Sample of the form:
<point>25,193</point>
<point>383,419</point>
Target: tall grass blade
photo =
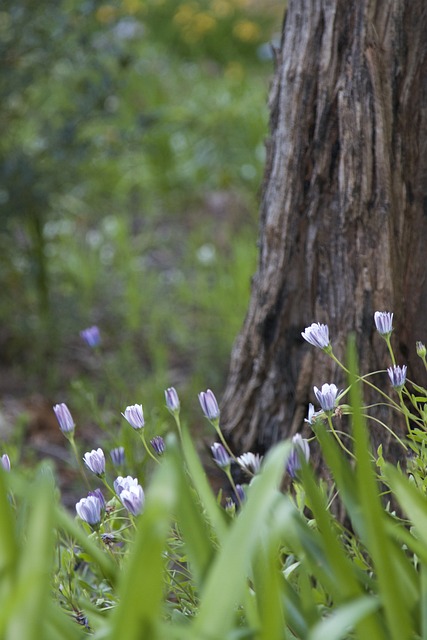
<point>377,540</point>
<point>142,583</point>
<point>227,579</point>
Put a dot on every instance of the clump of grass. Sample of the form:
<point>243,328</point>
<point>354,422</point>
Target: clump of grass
<point>152,552</point>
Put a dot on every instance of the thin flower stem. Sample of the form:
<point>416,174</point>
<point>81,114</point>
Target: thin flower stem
<point>221,437</point>
<point>390,350</point>
<point>71,440</point>
<point>364,379</point>
<point>387,428</point>
<point>105,483</point>
<point>146,447</point>
<point>404,410</point>
<point>230,478</point>
<point>342,445</point>
<point>178,424</point>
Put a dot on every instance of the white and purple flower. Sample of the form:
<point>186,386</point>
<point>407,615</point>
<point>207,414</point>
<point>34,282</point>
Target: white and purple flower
<point>95,461</point>
<point>64,417</point>
<point>89,510</point>
<point>383,322</point>
<point>134,415</point>
<point>209,405</point>
<point>317,334</point>
<point>172,400</point>
<point>220,455</point>
<point>300,450</point>
<point>397,376</point>
<point>327,396</point>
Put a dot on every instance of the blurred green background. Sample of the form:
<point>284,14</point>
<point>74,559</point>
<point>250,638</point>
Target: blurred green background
<point>131,159</point>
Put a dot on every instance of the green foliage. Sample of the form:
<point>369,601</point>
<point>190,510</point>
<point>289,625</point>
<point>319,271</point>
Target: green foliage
<point>128,183</point>
<point>281,566</point>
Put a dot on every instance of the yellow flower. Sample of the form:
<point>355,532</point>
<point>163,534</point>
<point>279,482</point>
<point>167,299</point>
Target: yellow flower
<point>203,23</point>
<point>131,6</point>
<point>185,13</point>
<point>246,31</point>
<point>106,13</point>
<point>222,8</point>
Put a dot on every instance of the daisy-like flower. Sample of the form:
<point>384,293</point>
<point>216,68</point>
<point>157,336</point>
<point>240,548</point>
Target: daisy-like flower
<point>300,448</point>
<point>89,510</point>
<point>317,334</point>
<point>64,417</point>
<point>312,414</point>
<point>133,499</point>
<point>95,461</point>
<point>250,462</point>
<point>172,400</point>
<point>117,456</point>
<point>421,349</point>
<point>121,483</point>
<point>220,455</point>
<point>383,322</point>
<point>209,405</point>
<point>327,396</point>
<point>134,415</point>
<point>91,336</point>
<point>397,376</point>
<point>158,445</point>
<point>5,462</point>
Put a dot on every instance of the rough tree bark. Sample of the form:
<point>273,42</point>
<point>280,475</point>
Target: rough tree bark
<point>343,211</point>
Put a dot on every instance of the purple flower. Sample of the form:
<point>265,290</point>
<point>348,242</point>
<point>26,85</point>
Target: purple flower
<point>327,396</point>
<point>317,334</point>
<point>397,376</point>
<point>134,415</point>
<point>209,405</point>
<point>5,462</point>
<point>220,455</point>
<point>133,499</point>
<point>91,336</point>
<point>172,400</point>
<point>158,445</point>
<point>300,449</point>
<point>64,417</point>
<point>240,493</point>
<point>97,493</point>
<point>121,483</point>
<point>383,322</point>
<point>95,461</point>
<point>250,462</point>
<point>117,456</point>
<point>89,510</point>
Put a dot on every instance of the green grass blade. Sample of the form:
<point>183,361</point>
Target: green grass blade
<point>8,544</point>
<point>202,486</point>
<point>377,540</point>
<point>36,557</point>
<point>192,516</point>
<point>101,558</point>
<point>344,619</point>
<point>141,587</point>
<point>227,579</point>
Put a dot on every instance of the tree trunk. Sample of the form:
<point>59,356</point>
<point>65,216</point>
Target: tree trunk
<point>343,211</point>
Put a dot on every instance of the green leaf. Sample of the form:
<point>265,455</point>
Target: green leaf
<point>142,582</point>
<point>344,619</point>
<point>227,579</point>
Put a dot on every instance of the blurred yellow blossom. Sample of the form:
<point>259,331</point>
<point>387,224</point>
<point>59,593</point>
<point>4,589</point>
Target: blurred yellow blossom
<point>131,6</point>
<point>246,31</point>
<point>203,23</point>
<point>106,13</point>
<point>185,13</point>
<point>234,71</point>
<point>222,8</point>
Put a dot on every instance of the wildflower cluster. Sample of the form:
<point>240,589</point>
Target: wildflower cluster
<point>329,396</point>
